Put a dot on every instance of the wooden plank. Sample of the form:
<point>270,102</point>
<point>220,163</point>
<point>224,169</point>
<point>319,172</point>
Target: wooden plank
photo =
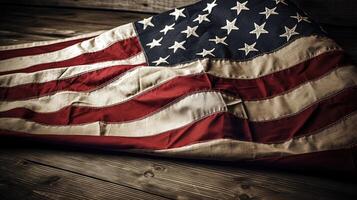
<point>164,177</point>
<point>19,24</point>
<point>337,12</point>
<point>23,179</point>
<point>189,179</point>
<point>93,17</point>
<point>14,37</point>
<point>151,6</point>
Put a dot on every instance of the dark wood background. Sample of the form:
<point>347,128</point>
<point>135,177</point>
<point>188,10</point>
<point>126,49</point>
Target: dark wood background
<point>48,173</point>
<point>339,12</point>
<point>330,10</point>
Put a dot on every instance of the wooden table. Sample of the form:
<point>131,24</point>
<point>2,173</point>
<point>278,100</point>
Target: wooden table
<point>52,173</point>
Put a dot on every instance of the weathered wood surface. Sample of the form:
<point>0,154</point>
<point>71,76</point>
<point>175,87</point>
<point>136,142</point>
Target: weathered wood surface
<point>151,6</point>
<point>58,174</point>
<point>340,12</point>
<point>55,173</point>
<point>20,24</point>
<point>23,178</point>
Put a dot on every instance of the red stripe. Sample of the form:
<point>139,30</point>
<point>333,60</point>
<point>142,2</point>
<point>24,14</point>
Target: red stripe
<point>85,82</point>
<point>312,119</point>
<point>282,81</point>
<point>6,54</point>
<point>254,89</point>
<point>340,160</point>
<point>117,51</point>
<point>213,127</point>
<point>322,113</point>
<point>318,116</point>
<point>135,108</point>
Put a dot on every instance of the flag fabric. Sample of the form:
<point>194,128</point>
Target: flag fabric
<point>252,80</point>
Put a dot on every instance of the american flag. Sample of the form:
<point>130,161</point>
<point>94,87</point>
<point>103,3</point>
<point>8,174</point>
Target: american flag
<point>221,79</point>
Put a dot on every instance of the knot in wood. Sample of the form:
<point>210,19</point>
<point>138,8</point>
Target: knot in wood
<point>149,174</point>
<point>158,167</point>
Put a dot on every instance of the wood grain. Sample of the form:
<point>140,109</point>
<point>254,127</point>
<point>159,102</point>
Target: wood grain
<point>151,6</point>
<point>21,178</point>
<point>64,174</point>
<point>188,179</point>
<point>20,24</point>
<point>336,12</point>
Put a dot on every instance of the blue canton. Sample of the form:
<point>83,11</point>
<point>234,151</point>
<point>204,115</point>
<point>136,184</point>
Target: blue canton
<point>230,29</point>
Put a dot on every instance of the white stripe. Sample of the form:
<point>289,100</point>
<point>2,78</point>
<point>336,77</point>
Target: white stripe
<point>139,81</point>
<point>264,65</point>
<point>337,136</point>
<point>16,79</point>
<point>143,79</point>
<point>43,43</point>
<point>296,52</point>
<point>92,45</point>
<point>126,86</point>
<point>188,110</point>
<point>302,97</point>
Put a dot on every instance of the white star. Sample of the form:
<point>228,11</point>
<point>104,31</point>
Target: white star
<point>178,13</point>
<point>161,60</point>
<point>230,25</point>
<point>178,45</point>
<point>289,32</point>
<point>167,28</point>
<point>202,18</point>
<point>206,52</point>
<point>258,30</point>
<point>210,6</point>
<point>269,12</point>
<point>240,6</point>
<point>300,18</point>
<point>146,22</point>
<point>190,31</point>
<point>248,48</point>
<point>281,1</point>
<point>218,40</point>
<point>154,43</point>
